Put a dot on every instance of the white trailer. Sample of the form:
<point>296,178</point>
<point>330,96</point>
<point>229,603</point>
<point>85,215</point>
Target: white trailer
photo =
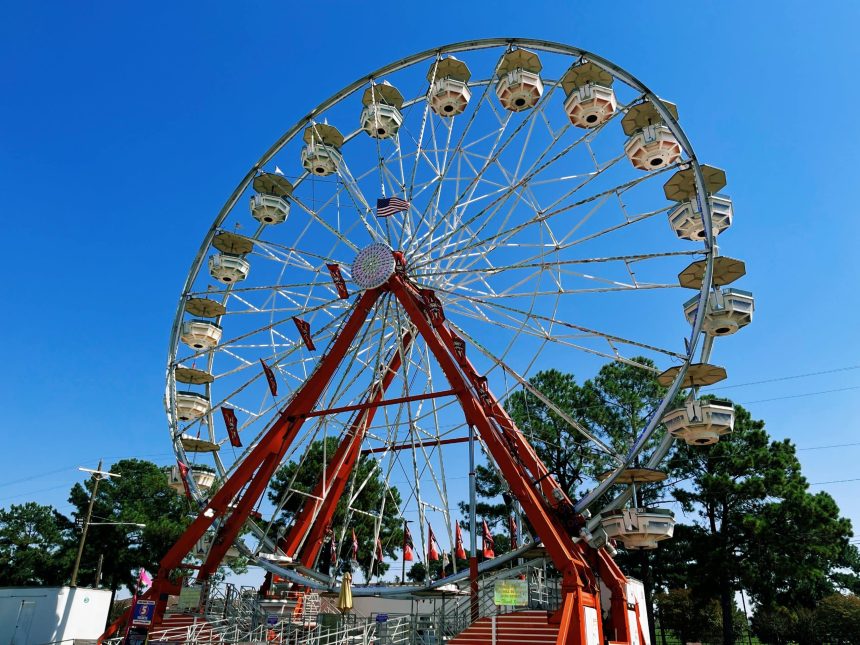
<point>41,615</point>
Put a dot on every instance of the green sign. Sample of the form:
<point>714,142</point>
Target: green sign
<point>511,593</point>
<point>189,598</point>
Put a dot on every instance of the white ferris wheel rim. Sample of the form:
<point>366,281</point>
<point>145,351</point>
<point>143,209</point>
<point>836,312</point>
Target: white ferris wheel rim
<point>541,46</point>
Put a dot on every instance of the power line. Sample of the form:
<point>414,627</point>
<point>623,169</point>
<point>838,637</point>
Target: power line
<point>835,481</point>
<point>833,445</point>
<point>787,378</point>
<point>804,394</point>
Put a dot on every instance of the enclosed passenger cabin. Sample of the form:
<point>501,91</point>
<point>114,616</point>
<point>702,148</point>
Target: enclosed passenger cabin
<point>204,478</point>
<point>519,86</point>
<point>381,117</point>
<point>686,218</point>
<point>204,544</point>
<point>321,155</point>
<point>638,528</point>
<point>701,423</point>
<point>449,95</point>
<point>200,334</point>
<point>590,98</point>
<point>728,311</point>
<point>651,145</point>
<point>270,204</point>
<point>190,405</point>
<point>228,268</point>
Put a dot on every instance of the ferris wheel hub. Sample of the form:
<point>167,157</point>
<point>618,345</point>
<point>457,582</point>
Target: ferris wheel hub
<point>373,266</point>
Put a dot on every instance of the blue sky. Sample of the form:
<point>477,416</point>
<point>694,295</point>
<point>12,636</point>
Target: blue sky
<point>122,131</point>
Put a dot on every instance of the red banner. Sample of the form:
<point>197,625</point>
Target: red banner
<point>484,391</point>
<point>354,546</point>
<point>459,347</point>
<point>489,544</point>
<point>408,545</point>
<point>305,331</point>
<point>232,426</point>
<point>399,263</point>
<point>183,475</point>
<point>379,554</point>
<point>512,523</point>
<point>433,305</point>
<point>270,377</point>
<point>339,282</point>
<point>432,551</point>
<point>460,550</point>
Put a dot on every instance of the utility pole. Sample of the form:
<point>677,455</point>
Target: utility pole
<point>97,475</point>
<point>99,569</point>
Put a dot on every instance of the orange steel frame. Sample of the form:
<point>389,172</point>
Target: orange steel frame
<point>545,505</point>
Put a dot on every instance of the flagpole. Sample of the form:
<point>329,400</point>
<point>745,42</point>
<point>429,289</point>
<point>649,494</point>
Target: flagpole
<point>473,528</point>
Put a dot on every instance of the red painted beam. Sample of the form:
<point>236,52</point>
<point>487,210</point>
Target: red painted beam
<point>284,430</point>
<point>559,544</point>
<point>258,462</point>
<point>420,444</point>
<point>377,404</point>
<point>304,540</point>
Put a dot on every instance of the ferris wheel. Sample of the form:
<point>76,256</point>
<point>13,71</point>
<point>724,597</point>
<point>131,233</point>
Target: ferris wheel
<point>409,255</point>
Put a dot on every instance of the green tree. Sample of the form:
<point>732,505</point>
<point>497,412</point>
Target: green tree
<point>614,407</point>
<point>33,545</point>
<point>567,453</point>
<point>690,618</point>
<point>838,619</point>
<point>140,495</point>
<point>761,530</point>
<point>624,398</point>
<point>774,625</point>
<point>372,491</point>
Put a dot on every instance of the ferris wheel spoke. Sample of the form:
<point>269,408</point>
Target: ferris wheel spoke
<point>537,167</point>
<point>521,314</point>
<point>534,391</point>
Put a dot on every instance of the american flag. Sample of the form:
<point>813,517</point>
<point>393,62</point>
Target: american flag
<point>390,206</point>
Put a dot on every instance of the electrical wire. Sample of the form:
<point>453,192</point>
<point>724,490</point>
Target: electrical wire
<point>787,378</point>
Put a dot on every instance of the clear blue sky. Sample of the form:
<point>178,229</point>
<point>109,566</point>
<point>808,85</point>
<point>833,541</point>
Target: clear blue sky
<point>124,127</point>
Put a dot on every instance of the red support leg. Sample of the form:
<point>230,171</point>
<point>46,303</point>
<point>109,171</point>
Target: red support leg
<point>304,540</point>
<point>558,543</point>
<point>267,453</point>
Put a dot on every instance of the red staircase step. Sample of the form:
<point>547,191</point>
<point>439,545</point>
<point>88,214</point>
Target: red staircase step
<point>517,628</point>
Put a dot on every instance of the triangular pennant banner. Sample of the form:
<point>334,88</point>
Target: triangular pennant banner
<point>183,474</point>
<point>489,544</point>
<point>432,551</point>
<point>460,549</point>
<point>408,546</point>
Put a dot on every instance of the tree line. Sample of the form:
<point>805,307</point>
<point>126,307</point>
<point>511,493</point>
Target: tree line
<point>750,523</point>
<point>38,544</point>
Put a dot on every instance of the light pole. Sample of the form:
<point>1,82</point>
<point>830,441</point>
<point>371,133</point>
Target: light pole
<point>97,475</point>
